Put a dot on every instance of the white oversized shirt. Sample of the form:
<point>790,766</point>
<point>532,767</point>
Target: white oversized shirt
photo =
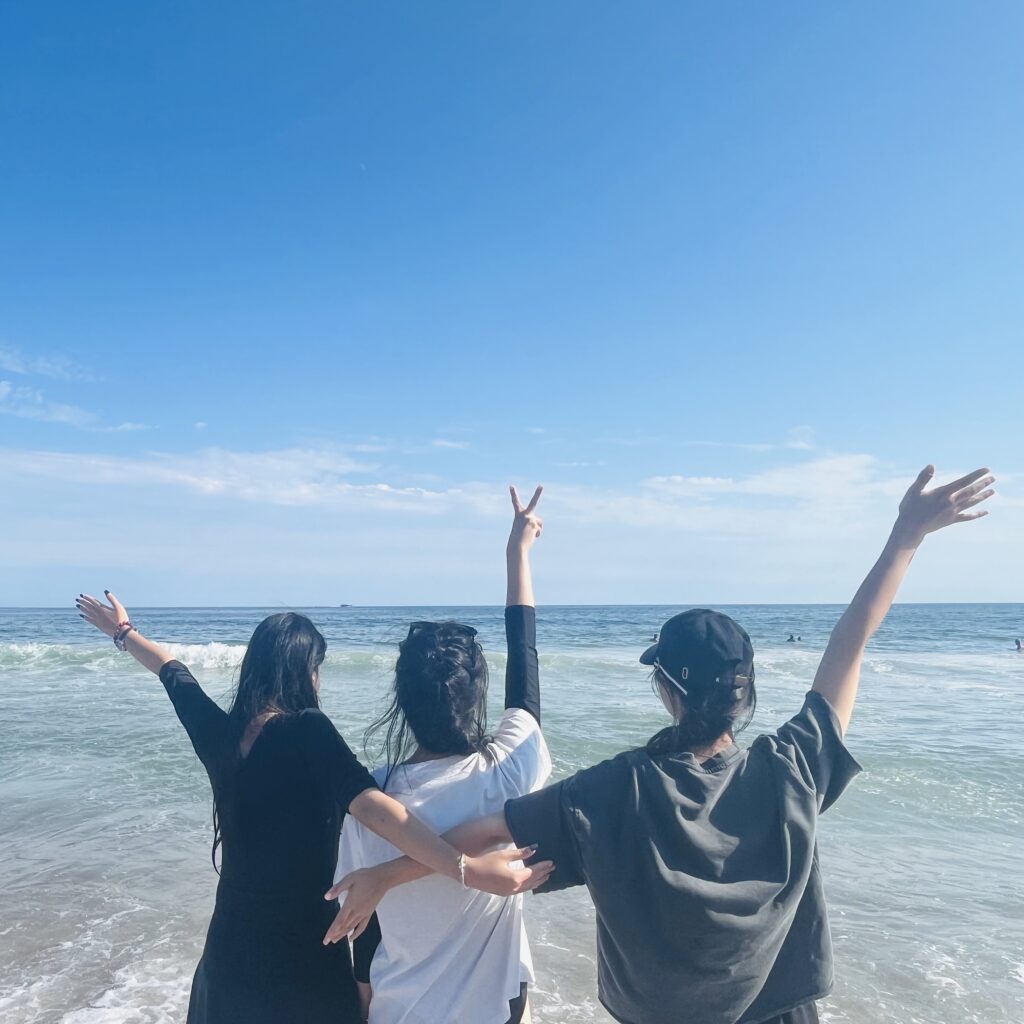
<point>449,954</point>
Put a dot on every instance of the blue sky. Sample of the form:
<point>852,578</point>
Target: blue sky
<point>290,292</point>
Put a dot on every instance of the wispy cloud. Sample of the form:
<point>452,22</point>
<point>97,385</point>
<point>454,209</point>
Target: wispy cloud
<point>815,492</point>
<point>291,476</point>
<point>13,360</point>
<point>31,404</point>
<point>799,438</point>
<point>443,442</point>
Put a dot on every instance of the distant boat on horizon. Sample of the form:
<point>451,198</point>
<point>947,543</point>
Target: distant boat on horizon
<point>344,606</point>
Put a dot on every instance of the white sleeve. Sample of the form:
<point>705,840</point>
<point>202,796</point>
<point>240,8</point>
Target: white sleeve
<point>522,753</point>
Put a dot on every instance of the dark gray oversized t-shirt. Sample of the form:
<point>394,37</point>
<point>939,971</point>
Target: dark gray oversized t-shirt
<point>705,877</point>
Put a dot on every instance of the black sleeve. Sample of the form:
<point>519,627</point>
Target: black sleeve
<point>545,819</point>
<point>812,741</point>
<point>207,725</point>
<point>522,674</point>
<point>363,949</point>
<point>331,758</point>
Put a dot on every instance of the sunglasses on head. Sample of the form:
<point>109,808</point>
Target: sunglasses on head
<point>454,628</point>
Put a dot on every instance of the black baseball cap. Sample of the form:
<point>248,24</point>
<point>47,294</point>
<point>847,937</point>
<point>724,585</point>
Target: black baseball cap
<point>700,645</point>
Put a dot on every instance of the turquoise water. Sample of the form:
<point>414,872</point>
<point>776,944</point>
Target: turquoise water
<point>105,877</point>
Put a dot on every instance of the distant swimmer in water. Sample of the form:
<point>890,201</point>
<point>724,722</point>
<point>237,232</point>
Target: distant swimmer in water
<point>1018,647</point>
<point>654,640</point>
<point>799,639</point>
<point>791,639</point>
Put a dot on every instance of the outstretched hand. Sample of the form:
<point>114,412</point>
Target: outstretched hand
<point>923,511</point>
<point>527,526</point>
<point>105,617</point>
<point>364,889</point>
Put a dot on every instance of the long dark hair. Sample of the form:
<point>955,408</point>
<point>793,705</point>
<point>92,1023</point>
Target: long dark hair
<point>725,704</point>
<point>439,701</point>
<point>276,677</point>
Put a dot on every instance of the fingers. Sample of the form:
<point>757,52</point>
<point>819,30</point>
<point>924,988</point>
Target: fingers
<point>967,517</point>
<point>523,853</point>
<point>964,481</point>
<point>923,479</point>
<point>338,888</point>
<point>517,505</point>
<point>535,875</point>
<point>337,930</point>
<point>963,503</point>
<point>536,497</point>
<point>89,608</point>
<point>969,492</point>
<point>116,605</point>
<point>360,928</point>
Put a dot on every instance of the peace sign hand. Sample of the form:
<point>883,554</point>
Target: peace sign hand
<point>527,525</point>
<point>923,512</point>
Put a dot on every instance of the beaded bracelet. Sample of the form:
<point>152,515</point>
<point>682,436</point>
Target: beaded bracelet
<point>122,631</point>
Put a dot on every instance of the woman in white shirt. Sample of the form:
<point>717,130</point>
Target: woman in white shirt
<point>444,952</point>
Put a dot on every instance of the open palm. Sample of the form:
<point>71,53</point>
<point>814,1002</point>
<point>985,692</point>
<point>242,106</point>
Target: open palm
<point>105,617</point>
<point>925,511</point>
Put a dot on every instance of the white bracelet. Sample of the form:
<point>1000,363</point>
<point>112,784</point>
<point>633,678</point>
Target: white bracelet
<point>462,869</point>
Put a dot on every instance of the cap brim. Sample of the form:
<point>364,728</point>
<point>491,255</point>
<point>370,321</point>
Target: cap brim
<point>650,656</point>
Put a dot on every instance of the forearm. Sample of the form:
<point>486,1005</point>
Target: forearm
<point>471,837</point>
<point>519,589</point>
<point>392,821</point>
<point>838,675</point>
<point>145,652</point>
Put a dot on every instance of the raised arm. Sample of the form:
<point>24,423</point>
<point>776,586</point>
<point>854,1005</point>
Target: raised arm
<point>921,512</point>
<point>526,528</point>
<point>522,676</point>
<point>114,620</point>
<point>206,723</point>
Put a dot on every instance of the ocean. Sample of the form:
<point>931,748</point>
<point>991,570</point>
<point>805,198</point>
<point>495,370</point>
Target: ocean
<point>105,878</point>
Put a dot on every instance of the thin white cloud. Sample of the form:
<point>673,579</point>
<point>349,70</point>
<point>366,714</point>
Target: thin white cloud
<point>815,492</point>
<point>293,476</point>
<point>443,442</point>
<point>13,360</point>
<point>31,404</point>
<point>746,446</point>
<point>801,438</point>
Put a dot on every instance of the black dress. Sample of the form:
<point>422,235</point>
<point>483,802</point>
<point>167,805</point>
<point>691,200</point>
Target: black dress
<point>280,810</point>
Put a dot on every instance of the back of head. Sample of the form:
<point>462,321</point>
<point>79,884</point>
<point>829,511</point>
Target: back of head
<point>440,695</point>
<point>279,668</point>
<point>706,659</point>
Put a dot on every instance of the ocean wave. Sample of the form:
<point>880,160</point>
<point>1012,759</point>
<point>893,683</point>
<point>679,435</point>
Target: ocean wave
<point>949,669</point>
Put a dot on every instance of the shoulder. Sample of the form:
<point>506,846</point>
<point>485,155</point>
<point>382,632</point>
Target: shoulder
<point>516,725</point>
<point>600,782</point>
<point>316,727</point>
<point>816,721</point>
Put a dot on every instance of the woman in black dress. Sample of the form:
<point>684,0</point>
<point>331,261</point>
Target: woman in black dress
<point>283,779</point>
